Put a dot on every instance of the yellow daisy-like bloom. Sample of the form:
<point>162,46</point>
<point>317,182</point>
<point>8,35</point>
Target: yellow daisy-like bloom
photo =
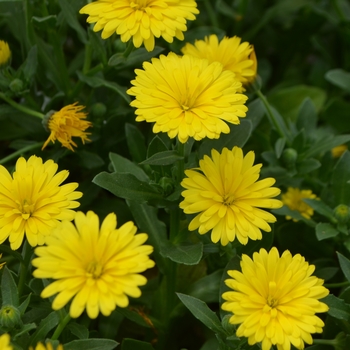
<point>5,342</point>
<point>274,299</point>
<point>33,201</point>
<point>47,346</point>
<point>97,267</point>
<point>5,52</point>
<point>293,199</point>
<point>338,151</point>
<point>225,192</point>
<point>67,123</point>
<point>235,56</point>
<point>143,20</point>
<point>187,97</point>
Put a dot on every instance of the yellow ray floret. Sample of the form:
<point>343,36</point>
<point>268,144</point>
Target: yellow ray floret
<point>274,300</point>
<point>98,268</point>
<point>227,197</point>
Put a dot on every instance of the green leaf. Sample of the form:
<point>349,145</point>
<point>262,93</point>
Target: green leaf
<point>132,344</point>
<point>340,178</point>
<point>126,186</point>
<point>90,160</point>
<point>79,330</point>
<point>124,165</point>
<point>70,15</point>
<point>320,207</point>
<point>201,311</point>
<point>23,307</point>
<point>307,165</point>
<point>96,82</point>
<point>45,326</point>
<point>133,316</point>
<point>188,254</point>
<point>8,250</point>
<point>294,214</point>
<point>340,78</point>
<point>344,265</point>
<point>307,116</point>
<point>238,136</point>
<point>156,145</point>
<point>279,146</point>
<point>9,292</point>
<point>337,307</point>
<point>325,230</point>
<point>30,65</point>
<point>136,142</point>
<point>256,112</point>
<point>163,158</point>
<point>91,344</point>
<point>25,329</point>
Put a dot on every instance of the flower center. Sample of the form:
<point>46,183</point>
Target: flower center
<point>94,269</point>
<point>26,208</point>
<point>272,302</point>
<point>139,4</point>
<point>228,199</point>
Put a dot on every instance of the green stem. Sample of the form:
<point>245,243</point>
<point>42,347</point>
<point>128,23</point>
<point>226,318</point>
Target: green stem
<point>27,254</point>
<point>63,323</point>
<point>337,285</point>
<point>211,13</point>
<point>181,162</point>
<point>331,342</point>
<point>129,49</point>
<point>21,151</point>
<point>20,107</point>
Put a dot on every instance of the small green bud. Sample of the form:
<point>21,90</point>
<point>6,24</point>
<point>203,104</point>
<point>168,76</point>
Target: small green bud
<point>16,85</point>
<point>340,341</point>
<point>229,328</point>
<point>10,317</point>
<point>167,185</point>
<point>45,121</point>
<point>342,213</point>
<point>289,157</point>
<point>98,110</point>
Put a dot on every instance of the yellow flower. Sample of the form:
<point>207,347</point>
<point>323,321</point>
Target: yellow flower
<point>338,151</point>
<point>5,342</point>
<point>143,20</point>
<point>187,97</point>
<point>293,199</point>
<point>225,192</point>
<point>274,299</point>
<point>5,52</point>
<point>97,267</point>
<point>47,346</point>
<point>32,201</point>
<point>67,123</point>
<point>235,56</point>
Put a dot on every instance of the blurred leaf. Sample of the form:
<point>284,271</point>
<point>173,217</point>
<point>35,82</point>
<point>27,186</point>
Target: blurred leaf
<point>136,142</point>
<point>279,147</point>
<point>201,311</point>
<point>163,158</point>
<point>90,160</point>
<point>340,78</point>
<point>325,230</point>
<point>340,178</point>
<point>288,100</point>
<point>23,307</point>
<point>9,292</point>
<point>124,165</point>
<point>320,207</point>
<point>45,326</point>
<point>337,307</point>
<point>336,114</point>
<point>188,254</point>
<point>79,330</point>
<point>294,214</point>
<point>127,186</point>
<point>30,65</point>
<point>132,344</point>
<point>344,265</point>
<point>91,344</point>
<point>133,316</point>
<point>256,112</point>
<point>307,116</point>
<point>44,22</point>
<point>156,146</point>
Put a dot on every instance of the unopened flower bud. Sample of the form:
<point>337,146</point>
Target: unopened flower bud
<point>227,326</point>
<point>342,213</point>
<point>45,121</point>
<point>16,85</point>
<point>167,185</point>
<point>10,317</point>
<point>289,157</point>
<point>98,110</point>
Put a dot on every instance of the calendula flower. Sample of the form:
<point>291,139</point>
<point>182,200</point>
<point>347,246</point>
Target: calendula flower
<point>47,346</point>
<point>141,20</point>
<point>97,267</point>
<point>275,299</point>
<point>234,55</point>
<point>5,342</point>
<point>33,201</point>
<point>5,52</point>
<point>338,151</point>
<point>293,199</point>
<point>225,192</point>
<point>67,123</point>
<point>187,97</point>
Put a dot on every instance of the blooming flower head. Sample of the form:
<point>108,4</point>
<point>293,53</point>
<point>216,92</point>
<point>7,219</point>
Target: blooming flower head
<point>33,201</point>
<point>187,97</point>
<point>5,342</point>
<point>143,20</point>
<point>67,123</point>
<point>338,151</point>
<point>5,53</point>
<point>97,267</point>
<point>293,199</point>
<point>235,56</point>
<point>275,299</point>
<point>225,193</point>
<point>47,346</point>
